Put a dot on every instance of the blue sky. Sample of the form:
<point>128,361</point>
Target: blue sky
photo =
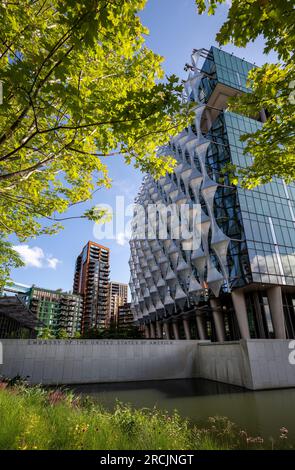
<point>175,29</point>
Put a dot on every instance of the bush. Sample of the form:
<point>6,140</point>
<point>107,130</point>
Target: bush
<point>35,418</point>
<point>130,332</point>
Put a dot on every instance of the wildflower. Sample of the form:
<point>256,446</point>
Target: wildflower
<point>82,428</point>
<point>284,433</point>
<point>255,440</point>
<point>55,397</point>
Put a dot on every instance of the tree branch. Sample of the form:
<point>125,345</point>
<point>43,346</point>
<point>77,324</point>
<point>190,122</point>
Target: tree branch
<point>76,127</point>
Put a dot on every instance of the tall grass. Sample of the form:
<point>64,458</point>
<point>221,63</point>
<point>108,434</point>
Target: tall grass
<point>33,418</point>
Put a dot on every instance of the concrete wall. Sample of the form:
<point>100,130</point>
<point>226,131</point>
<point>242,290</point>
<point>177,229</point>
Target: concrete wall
<point>254,364</point>
<point>85,361</point>
<point>270,363</point>
<point>225,362</point>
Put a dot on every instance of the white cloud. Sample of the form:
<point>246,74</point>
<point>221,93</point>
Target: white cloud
<point>52,262</point>
<point>122,238</point>
<point>30,256</point>
<point>35,257</point>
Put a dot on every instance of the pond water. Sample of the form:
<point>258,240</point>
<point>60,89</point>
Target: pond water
<point>259,413</point>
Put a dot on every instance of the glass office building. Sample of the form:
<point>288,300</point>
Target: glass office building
<point>240,281</point>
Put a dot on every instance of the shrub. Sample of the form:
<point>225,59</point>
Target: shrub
<point>35,418</point>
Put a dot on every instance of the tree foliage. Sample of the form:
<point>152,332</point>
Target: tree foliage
<point>79,85</point>
<point>62,334</point>
<point>46,333</point>
<point>9,259</point>
<point>114,332</point>
<point>273,85</point>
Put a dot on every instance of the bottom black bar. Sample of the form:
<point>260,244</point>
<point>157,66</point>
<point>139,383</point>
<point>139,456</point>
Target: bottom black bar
<point>146,459</point>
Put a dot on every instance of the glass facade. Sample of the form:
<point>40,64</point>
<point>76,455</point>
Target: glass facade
<point>245,266</point>
<point>267,214</point>
<point>231,70</point>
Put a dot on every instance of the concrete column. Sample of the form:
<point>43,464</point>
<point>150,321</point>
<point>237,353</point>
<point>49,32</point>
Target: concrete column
<point>238,298</point>
<point>275,301</point>
<point>257,307</point>
<point>186,328</point>
<point>159,329</point>
<point>152,328</point>
<point>200,325</point>
<point>146,331</point>
<point>166,330</point>
<point>218,320</point>
<point>175,330</point>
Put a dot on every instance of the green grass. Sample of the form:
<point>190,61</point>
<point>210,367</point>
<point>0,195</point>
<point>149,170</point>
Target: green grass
<point>34,418</point>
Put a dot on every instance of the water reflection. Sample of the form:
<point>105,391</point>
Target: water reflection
<point>169,388</point>
<point>260,413</point>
